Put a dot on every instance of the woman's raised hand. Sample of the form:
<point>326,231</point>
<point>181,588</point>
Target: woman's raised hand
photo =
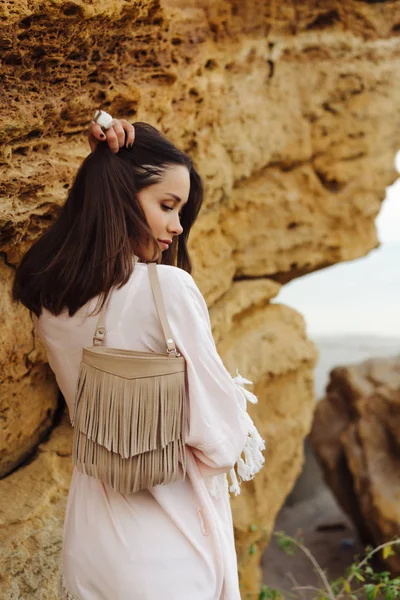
<point>119,134</point>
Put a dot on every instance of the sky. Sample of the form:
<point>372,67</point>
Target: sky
<point>359,297</point>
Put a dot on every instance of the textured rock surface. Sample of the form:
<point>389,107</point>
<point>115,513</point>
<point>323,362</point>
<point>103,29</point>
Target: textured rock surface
<point>28,392</point>
<point>290,108</point>
<point>356,435</point>
<point>32,507</point>
<point>290,114</point>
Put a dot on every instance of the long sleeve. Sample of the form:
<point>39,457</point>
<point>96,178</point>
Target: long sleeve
<point>218,424</point>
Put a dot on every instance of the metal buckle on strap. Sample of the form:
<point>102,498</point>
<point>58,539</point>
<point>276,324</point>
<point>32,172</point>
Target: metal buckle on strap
<point>173,352</point>
<point>99,336</point>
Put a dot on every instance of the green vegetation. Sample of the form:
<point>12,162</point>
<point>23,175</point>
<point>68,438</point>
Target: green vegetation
<point>359,582</point>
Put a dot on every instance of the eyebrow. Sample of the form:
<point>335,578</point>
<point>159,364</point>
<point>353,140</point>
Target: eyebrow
<point>174,196</point>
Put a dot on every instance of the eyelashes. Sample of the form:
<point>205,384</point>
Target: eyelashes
<point>165,207</point>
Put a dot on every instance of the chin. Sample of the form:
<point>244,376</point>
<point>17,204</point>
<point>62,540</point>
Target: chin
<point>147,255</point>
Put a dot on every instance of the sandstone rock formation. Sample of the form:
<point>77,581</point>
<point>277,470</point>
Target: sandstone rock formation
<point>356,435</point>
<point>32,507</point>
<point>28,390</point>
<point>290,114</point>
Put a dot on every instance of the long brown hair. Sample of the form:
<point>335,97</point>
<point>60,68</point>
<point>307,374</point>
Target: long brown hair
<point>90,246</point>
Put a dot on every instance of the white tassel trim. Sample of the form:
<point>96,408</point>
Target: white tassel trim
<point>245,469</point>
<point>240,381</point>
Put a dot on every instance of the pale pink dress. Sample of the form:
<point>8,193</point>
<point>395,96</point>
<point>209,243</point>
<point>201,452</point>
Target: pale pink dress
<point>172,542</point>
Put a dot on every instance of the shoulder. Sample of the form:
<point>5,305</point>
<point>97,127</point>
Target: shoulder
<point>170,276</point>
<point>179,288</point>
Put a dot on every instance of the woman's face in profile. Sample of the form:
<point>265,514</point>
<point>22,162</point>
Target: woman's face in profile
<point>162,204</point>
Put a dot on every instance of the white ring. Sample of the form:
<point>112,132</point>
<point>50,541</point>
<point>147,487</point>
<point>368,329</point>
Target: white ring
<point>103,119</point>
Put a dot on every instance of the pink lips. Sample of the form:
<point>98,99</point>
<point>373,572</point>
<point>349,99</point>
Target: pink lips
<point>165,243</point>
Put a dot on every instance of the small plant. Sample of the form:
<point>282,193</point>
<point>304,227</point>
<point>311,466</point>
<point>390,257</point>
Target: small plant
<point>359,582</point>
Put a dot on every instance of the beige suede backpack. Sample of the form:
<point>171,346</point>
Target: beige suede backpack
<point>129,414</point>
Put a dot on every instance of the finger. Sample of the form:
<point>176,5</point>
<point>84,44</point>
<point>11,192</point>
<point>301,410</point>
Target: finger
<point>112,140</point>
<point>130,132</point>
<point>96,131</point>
<point>119,132</point>
<point>92,143</point>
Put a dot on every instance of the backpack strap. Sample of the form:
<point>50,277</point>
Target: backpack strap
<point>100,331</point>
<point>162,315</point>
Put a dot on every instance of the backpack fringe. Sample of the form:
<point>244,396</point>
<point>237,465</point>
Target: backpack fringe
<point>129,433</point>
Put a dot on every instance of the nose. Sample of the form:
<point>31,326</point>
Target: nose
<point>174,225</point>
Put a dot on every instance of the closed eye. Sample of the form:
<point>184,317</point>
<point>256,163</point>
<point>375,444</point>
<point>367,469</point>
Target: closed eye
<point>165,207</point>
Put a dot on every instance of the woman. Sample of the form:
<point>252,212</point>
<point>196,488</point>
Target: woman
<point>134,202</point>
